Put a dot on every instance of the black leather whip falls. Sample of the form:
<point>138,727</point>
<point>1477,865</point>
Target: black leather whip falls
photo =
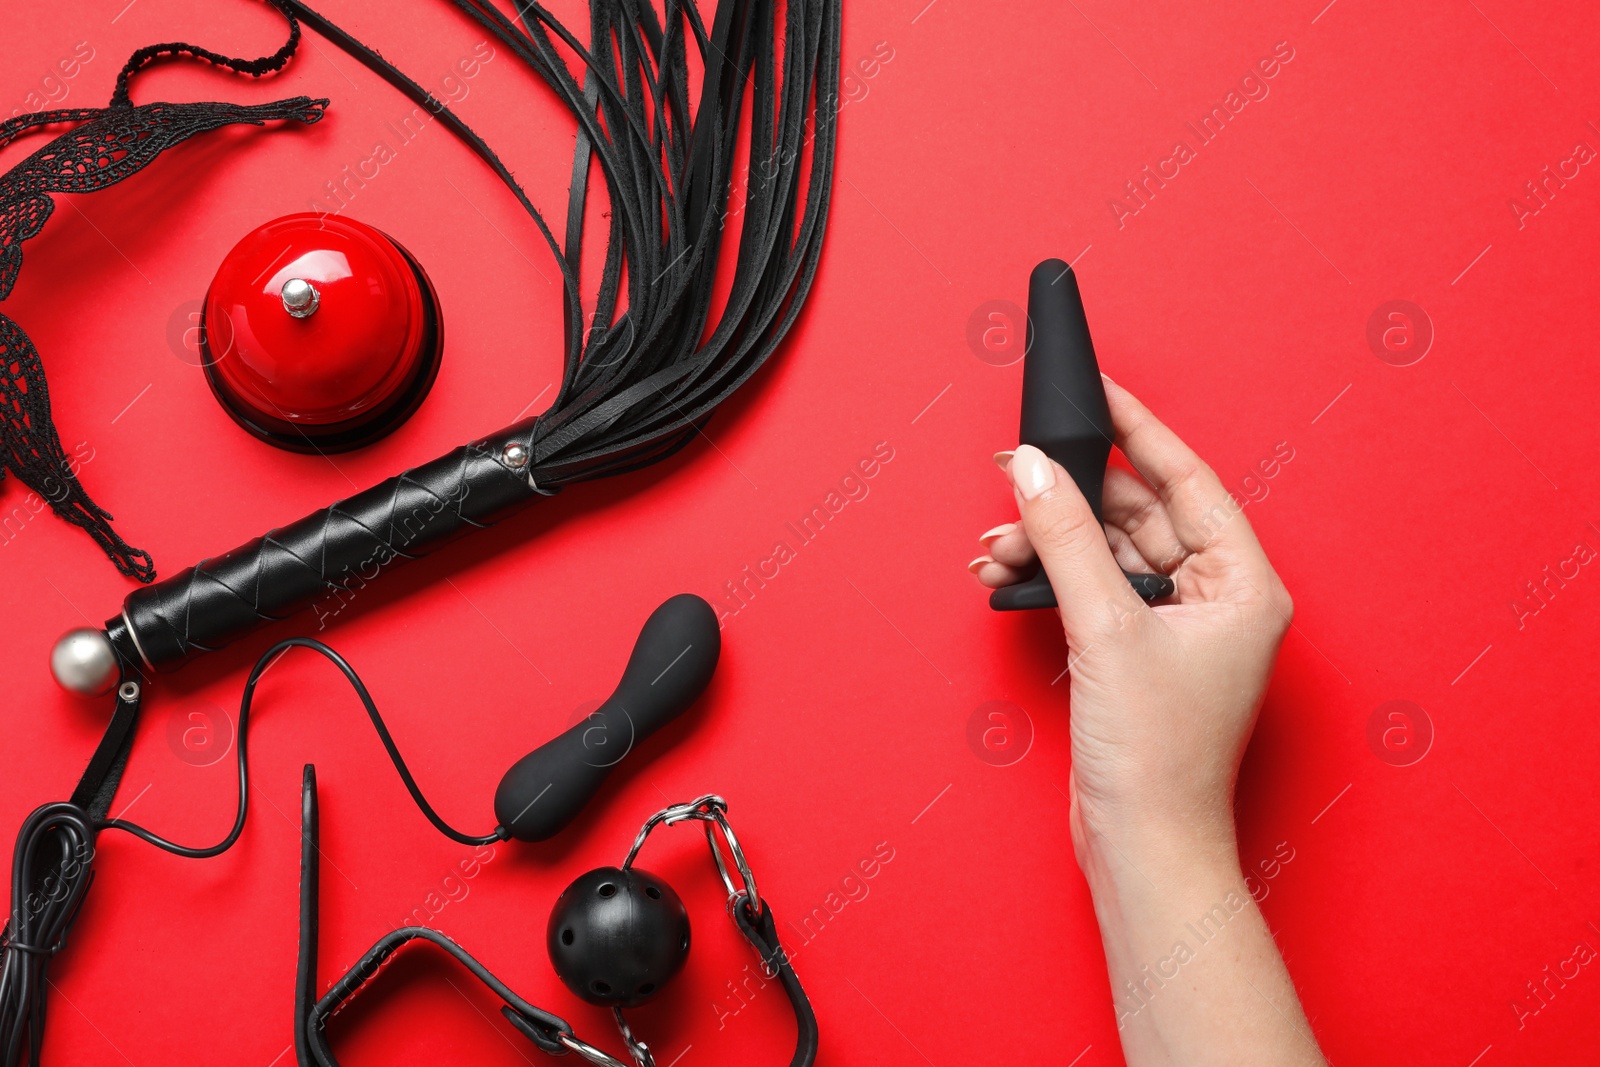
<point>649,359</point>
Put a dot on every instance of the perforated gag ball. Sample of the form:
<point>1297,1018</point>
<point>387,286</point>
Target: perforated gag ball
<point>617,936</point>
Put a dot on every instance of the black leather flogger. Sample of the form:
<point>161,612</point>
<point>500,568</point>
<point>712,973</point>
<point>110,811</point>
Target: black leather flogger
<point>636,386</point>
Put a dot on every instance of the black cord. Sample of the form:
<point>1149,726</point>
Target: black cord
<point>267,659</point>
<point>49,877</point>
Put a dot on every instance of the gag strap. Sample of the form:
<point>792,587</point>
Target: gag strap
<point>551,1033</point>
<point>762,932</point>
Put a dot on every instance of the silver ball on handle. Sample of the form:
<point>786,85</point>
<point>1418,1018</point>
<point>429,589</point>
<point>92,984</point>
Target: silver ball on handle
<point>84,662</point>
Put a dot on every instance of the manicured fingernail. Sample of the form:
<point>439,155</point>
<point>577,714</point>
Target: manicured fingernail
<point>1002,458</point>
<point>997,532</point>
<point>978,564</point>
<point>1107,377</point>
<point>1032,472</point>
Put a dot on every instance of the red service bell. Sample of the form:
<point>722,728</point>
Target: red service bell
<point>320,334</point>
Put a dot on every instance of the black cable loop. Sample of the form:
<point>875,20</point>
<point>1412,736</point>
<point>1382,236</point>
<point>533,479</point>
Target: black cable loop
<point>267,659</point>
<point>40,919</point>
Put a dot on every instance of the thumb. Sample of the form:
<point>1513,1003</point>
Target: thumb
<point>1090,587</point>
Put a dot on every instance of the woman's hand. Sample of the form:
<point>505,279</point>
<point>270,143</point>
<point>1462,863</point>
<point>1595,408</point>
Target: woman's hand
<point>1163,700</point>
<point>1163,697</point>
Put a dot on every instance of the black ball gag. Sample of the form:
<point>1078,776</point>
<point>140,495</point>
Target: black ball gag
<point>671,665</point>
<point>617,936</point>
<point>1065,415</point>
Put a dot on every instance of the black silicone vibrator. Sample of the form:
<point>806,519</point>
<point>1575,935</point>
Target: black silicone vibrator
<point>671,666</point>
<point>1064,414</point>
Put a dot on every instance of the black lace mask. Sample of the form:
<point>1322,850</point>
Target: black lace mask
<point>107,145</point>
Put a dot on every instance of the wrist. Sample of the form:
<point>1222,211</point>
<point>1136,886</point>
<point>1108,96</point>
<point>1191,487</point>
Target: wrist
<point>1147,851</point>
<point>1151,885</point>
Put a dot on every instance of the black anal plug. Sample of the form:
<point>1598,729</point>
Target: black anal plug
<point>1064,414</point>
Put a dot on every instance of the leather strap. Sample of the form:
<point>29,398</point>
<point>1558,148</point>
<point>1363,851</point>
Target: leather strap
<point>312,1014</point>
<point>100,779</point>
<point>763,934</point>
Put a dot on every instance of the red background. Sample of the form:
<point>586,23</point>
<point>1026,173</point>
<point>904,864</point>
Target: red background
<point>1419,502</point>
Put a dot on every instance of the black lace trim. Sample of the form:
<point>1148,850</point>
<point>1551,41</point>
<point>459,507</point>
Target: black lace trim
<point>107,145</point>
